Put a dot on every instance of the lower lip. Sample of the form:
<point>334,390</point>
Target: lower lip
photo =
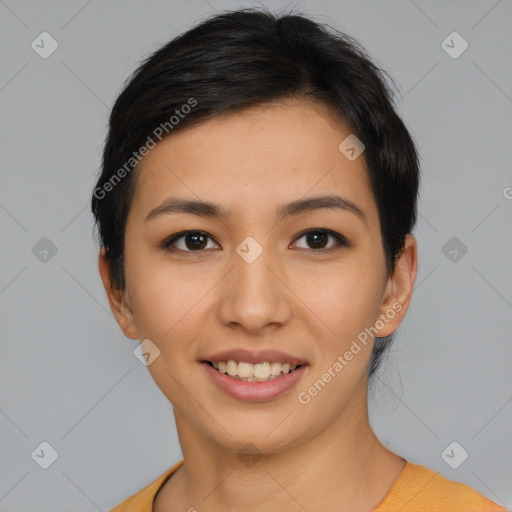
<point>254,391</point>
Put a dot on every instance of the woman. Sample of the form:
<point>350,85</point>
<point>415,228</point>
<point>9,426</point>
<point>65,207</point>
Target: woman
<point>255,210</point>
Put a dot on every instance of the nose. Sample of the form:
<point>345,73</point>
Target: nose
<point>253,297</point>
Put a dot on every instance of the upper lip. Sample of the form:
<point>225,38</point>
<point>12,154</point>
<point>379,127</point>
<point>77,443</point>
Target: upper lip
<point>254,357</point>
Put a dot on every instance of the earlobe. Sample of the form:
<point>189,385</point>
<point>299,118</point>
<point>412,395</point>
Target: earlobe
<point>398,293</point>
<point>121,310</point>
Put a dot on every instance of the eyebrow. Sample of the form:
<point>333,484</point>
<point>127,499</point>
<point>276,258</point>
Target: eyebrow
<point>208,209</point>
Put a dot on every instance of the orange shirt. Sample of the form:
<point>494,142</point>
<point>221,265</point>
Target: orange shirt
<point>417,489</point>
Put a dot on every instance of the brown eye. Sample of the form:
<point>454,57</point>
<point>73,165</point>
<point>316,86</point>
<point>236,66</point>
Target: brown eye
<point>195,241</point>
<point>317,239</point>
<point>189,241</point>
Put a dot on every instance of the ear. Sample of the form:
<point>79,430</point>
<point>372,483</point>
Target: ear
<point>398,292</point>
<point>118,300</point>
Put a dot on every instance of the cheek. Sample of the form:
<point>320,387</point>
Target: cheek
<point>346,299</point>
<point>164,297</point>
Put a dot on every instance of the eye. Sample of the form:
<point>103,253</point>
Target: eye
<point>317,239</point>
<point>189,241</point>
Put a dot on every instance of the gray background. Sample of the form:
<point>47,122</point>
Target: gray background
<point>68,375</point>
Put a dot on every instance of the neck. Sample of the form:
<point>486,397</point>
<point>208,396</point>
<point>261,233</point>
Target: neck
<point>345,466</point>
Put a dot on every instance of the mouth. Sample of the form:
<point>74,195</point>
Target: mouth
<point>264,371</point>
<point>254,375</point>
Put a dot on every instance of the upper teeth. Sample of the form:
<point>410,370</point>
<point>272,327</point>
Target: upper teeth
<point>258,370</point>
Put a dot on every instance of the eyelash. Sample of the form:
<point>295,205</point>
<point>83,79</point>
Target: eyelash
<point>341,241</point>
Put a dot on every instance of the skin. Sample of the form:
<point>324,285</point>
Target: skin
<point>292,298</point>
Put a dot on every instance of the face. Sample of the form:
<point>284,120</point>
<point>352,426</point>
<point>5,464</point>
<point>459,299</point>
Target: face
<point>248,273</point>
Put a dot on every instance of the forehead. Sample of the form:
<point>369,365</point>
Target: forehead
<point>255,158</point>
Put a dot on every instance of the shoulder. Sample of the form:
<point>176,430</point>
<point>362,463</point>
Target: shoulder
<point>418,488</point>
<point>142,501</point>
